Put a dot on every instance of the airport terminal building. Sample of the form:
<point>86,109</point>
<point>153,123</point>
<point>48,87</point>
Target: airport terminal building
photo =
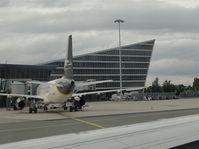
<point>102,65</point>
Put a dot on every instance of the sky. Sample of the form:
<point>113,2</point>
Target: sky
<point>35,31</point>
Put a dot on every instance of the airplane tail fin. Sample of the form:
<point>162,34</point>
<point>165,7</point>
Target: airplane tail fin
<point>68,65</point>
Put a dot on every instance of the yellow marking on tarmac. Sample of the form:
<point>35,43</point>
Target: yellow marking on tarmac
<point>82,121</point>
<point>89,123</point>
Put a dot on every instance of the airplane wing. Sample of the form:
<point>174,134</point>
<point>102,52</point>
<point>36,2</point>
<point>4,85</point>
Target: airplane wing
<point>35,82</point>
<point>165,133</point>
<point>105,91</point>
<point>92,83</point>
<point>21,95</point>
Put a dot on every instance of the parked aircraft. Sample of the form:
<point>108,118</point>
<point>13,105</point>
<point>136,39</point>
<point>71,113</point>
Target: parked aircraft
<point>58,91</point>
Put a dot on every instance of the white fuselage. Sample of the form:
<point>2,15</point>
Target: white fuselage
<point>50,91</point>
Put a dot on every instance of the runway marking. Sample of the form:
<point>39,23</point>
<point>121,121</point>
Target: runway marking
<point>89,123</point>
<point>82,121</point>
<point>52,125</point>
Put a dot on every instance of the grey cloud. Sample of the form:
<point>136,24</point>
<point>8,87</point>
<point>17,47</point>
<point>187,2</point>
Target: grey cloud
<point>53,3</point>
<point>175,56</point>
<point>42,3</point>
<point>50,46</point>
<point>36,31</point>
<point>181,49</point>
<point>4,3</point>
<point>150,15</point>
<point>30,47</point>
<point>174,67</point>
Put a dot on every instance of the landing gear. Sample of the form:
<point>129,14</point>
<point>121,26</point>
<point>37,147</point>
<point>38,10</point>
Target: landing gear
<point>15,108</point>
<point>32,110</point>
<point>45,108</point>
<point>71,109</point>
<point>75,108</point>
<point>33,106</point>
<point>81,103</point>
<point>75,104</point>
<point>72,105</point>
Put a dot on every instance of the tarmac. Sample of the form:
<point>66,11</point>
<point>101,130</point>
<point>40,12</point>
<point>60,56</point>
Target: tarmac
<point>20,125</point>
<point>101,108</point>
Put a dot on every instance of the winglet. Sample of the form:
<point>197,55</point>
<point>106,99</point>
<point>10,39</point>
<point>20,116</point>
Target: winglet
<point>68,65</point>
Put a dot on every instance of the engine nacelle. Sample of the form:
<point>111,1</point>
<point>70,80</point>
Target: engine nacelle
<point>19,104</point>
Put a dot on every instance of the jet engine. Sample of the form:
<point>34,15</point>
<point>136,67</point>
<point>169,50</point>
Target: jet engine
<point>19,104</point>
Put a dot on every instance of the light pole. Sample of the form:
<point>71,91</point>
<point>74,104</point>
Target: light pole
<point>120,57</point>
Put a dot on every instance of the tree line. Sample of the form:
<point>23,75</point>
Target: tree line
<point>167,86</point>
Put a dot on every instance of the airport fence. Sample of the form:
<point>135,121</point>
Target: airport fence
<point>188,94</point>
<point>150,96</point>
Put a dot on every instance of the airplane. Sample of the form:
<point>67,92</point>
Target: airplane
<point>58,91</point>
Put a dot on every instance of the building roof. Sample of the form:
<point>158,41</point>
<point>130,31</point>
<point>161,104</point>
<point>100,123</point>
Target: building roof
<point>130,46</point>
<point>25,66</point>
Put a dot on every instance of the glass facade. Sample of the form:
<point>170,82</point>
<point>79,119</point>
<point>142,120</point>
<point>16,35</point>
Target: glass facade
<point>34,72</point>
<point>104,65</point>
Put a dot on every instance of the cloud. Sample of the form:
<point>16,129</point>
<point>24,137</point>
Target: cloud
<point>36,31</point>
<point>97,15</point>
<point>4,3</point>
<point>183,3</point>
